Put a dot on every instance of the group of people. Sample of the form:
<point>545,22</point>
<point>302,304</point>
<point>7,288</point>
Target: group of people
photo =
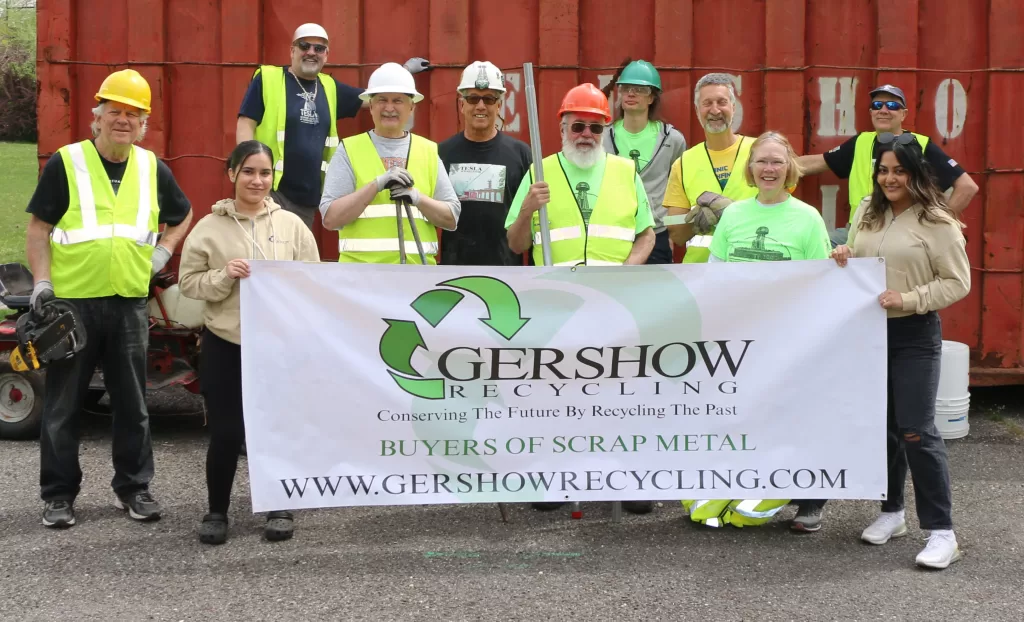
<point>624,189</point>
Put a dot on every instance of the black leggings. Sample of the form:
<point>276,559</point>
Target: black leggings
<point>220,369</point>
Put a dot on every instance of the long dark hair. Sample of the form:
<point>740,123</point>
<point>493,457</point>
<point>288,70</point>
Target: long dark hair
<point>653,112</point>
<point>243,151</point>
<point>921,184</point>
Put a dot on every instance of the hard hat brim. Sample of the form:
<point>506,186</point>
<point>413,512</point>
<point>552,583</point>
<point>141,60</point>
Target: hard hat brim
<point>582,110</point>
<point>123,100</point>
<point>639,83</point>
<point>368,93</point>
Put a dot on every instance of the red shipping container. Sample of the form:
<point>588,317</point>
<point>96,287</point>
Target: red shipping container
<point>802,67</point>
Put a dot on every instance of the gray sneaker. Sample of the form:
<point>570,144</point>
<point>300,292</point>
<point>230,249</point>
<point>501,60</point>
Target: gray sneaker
<point>808,518</point>
<point>58,514</point>
<point>140,505</point>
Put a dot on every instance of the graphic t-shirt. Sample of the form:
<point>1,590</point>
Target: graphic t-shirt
<point>751,231</point>
<point>723,161</point>
<point>638,147</point>
<point>484,175</point>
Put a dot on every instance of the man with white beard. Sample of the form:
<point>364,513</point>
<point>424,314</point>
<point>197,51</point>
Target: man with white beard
<point>707,168</point>
<point>596,203</point>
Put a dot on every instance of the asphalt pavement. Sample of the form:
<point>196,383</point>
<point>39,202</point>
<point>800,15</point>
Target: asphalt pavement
<point>464,563</point>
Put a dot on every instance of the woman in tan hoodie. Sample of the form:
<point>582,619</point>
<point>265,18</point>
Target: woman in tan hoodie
<point>215,256</point>
<point>906,221</point>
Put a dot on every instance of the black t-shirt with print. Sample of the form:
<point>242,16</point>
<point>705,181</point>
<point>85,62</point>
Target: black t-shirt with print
<point>946,169</point>
<point>486,176</point>
<point>305,134</point>
<point>51,199</point>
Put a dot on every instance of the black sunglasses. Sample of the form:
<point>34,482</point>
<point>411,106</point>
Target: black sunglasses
<point>906,138</point>
<point>579,126</point>
<point>319,48</point>
<point>891,105</point>
<point>473,100</point>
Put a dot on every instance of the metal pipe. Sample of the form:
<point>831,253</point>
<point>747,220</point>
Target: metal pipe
<point>401,232</point>
<point>415,231</point>
<point>538,157</point>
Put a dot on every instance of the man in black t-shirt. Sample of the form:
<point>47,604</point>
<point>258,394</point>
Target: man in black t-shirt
<point>485,167</point>
<point>888,111</point>
<point>310,130</point>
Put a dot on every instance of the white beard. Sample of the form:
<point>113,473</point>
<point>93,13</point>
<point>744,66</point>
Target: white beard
<point>583,158</point>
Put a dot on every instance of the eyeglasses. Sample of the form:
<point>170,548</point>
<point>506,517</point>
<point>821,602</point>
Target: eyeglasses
<point>906,138</point>
<point>771,163</point>
<point>473,100</point>
<point>579,126</point>
<point>893,106</point>
<point>635,89</point>
<point>319,48</point>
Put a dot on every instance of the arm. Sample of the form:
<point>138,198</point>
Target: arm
<point>642,247</point>
<point>679,234</point>
<point>245,129</point>
<point>678,205</point>
<point>37,248</point>
<point>529,197</point>
<point>520,234</point>
<point>345,209</point>
<point>952,279</point>
<point>964,189</point>
<point>444,208</point>
<point>197,280</point>
<point>173,234</point>
<point>812,164</point>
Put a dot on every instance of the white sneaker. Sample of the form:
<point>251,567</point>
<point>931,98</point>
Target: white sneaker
<point>941,550</point>
<point>887,525</point>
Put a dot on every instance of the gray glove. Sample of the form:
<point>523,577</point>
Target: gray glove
<point>707,212</point>
<point>417,64</point>
<point>396,176</point>
<point>42,293</point>
<point>160,258</point>
<point>410,194</point>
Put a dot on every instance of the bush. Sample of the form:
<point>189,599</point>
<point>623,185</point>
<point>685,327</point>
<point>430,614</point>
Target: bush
<point>18,92</point>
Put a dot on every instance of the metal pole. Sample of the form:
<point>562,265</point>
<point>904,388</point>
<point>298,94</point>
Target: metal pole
<point>401,232</point>
<point>415,231</point>
<point>538,156</point>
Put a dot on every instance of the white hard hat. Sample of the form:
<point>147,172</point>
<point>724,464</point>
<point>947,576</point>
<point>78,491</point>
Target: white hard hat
<point>482,74</point>
<point>391,78</point>
<point>310,30</point>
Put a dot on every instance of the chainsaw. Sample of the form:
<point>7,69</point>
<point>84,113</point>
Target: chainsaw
<point>53,335</point>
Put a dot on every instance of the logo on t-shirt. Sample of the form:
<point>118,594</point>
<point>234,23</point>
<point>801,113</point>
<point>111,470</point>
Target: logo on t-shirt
<point>307,114</point>
<point>760,248</point>
<point>478,182</point>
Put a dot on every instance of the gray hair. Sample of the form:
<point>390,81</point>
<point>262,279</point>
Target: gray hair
<point>97,112</point>
<point>714,79</point>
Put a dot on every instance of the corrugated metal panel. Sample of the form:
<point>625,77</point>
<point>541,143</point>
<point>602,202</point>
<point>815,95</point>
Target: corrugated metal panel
<point>802,67</point>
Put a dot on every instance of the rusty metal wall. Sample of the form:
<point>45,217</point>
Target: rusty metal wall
<point>803,67</point>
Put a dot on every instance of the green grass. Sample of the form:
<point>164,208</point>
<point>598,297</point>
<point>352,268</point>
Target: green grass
<point>19,170</point>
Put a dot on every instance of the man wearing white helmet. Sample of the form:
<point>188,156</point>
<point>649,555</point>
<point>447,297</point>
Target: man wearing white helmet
<point>373,170</point>
<point>294,111</point>
<point>486,167</point>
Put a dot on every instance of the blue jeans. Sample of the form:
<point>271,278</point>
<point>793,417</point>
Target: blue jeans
<point>117,337</point>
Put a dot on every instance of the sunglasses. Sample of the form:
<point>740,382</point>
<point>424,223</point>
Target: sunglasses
<point>319,48</point>
<point>893,106</point>
<point>635,89</point>
<point>906,138</point>
<point>579,126</point>
<point>473,100</point>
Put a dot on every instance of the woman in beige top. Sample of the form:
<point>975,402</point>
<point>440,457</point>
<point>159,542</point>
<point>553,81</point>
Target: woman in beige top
<point>906,221</point>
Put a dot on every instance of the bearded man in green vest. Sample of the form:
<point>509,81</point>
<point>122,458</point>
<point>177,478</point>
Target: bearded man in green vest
<point>375,170</point>
<point>93,240</point>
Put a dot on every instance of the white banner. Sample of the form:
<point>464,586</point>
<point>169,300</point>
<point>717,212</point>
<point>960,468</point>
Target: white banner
<point>386,385</point>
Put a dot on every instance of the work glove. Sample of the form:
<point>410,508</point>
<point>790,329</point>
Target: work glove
<point>160,258</point>
<point>410,194</point>
<point>396,176</point>
<point>42,293</point>
<point>417,64</point>
<point>707,212</point>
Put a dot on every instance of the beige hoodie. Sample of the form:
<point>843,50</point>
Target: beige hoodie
<point>227,234</point>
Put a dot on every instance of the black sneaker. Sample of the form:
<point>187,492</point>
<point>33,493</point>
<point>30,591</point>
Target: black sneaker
<point>808,518</point>
<point>58,514</point>
<point>638,507</point>
<point>140,505</point>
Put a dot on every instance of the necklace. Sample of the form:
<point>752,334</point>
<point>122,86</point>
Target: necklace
<point>316,88</point>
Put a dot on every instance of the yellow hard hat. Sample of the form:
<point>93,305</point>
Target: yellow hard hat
<point>128,87</point>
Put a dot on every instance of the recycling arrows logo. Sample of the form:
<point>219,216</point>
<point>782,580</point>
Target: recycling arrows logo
<point>402,338</point>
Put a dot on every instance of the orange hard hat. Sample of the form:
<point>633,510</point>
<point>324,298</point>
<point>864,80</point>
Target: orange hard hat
<point>586,98</point>
<point>128,87</point>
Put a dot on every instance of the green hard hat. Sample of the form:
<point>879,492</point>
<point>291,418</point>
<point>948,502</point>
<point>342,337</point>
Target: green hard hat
<point>640,72</point>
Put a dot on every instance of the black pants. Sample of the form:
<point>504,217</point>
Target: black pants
<point>305,212</point>
<point>662,251</point>
<point>915,357</point>
<point>220,369</point>
<point>117,337</point>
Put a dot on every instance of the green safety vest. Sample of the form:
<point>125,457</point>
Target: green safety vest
<point>270,131</point>
<point>103,245</point>
<point>735,512</point>
<point>373,236</point>
<point>860,184</point>
<point>699,176</point>
<point>608,238</point>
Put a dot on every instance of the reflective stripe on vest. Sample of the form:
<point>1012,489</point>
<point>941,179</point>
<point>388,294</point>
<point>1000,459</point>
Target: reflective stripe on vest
<point>860,184</point>
<point>699,241</point>
<point>271,130</point>
<point>699,176</point>
<point>612,227</point>
<point>103,244</point>
<point>373,236</point>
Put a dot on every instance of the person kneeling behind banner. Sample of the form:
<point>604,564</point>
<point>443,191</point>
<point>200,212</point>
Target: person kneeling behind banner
<point>735,512</point>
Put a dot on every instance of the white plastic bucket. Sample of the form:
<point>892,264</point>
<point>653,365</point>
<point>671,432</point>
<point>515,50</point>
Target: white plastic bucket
<point>954,375</point>
<point>959,403</point>
<point>953,424</point>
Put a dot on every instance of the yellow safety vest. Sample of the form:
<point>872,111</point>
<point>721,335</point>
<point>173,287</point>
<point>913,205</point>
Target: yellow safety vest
<point>699,176</point>
<point>608,238</point>
<point>373,236</point>
<point>103,245</point>
<point>863,169</point>
<point>735,512</point>
<point>270,131</point>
